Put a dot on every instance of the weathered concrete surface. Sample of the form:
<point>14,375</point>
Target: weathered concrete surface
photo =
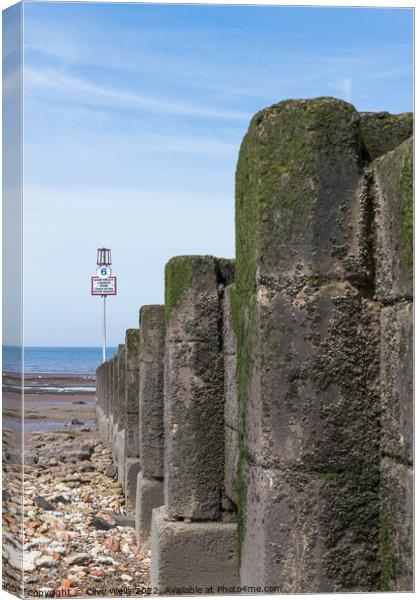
<point>382,132</point>
<point>121,406</point>
<point>229,356</point>
<point>151,355</point>
<point>120,458</point>
<point>397,381</point>
<point>131,417</point>
<point>149,496</point>
<point>132,372</point>
<point>297,189</point>
<point>115,397</point>
<point>308,358</point>
<point>396,531</point>
<point>311,532</point>
<point>114,407</point>
<point>131,470</point>
<point>231,462</point>
<point>192,554</point>
<point>394,223</point>
<point>193,389</point>
<point>109,402</point>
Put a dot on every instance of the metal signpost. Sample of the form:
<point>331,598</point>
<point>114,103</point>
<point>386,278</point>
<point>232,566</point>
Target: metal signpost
<point>104,284</point>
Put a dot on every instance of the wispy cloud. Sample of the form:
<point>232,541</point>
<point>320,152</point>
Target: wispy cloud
<point>345,86</point>
<point>85,91</point>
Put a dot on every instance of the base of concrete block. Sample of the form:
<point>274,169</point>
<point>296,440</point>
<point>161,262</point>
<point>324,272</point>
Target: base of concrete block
<point>149,496</point>
<point>131,469</point>
<point>198,555</point>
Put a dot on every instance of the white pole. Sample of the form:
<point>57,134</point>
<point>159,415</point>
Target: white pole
<point>104,332</point>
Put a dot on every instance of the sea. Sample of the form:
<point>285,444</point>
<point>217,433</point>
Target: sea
<point>46,359</point>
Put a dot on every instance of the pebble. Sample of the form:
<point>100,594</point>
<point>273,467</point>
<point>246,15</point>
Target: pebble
<point>64,499</point>
<point>46,561</point>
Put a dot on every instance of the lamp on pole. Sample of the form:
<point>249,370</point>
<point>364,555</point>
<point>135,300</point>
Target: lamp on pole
<point>104,284</point>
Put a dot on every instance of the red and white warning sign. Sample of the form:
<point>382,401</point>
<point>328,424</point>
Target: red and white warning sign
<point>104,286</point>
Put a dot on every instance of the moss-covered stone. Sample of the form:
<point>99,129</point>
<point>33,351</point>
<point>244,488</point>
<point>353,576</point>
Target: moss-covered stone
<point>178,277</point>
<point>382,132</point>
<point>396,526</point>
<point>394,222</point>
<point>297,174</point>
<point>132,341</point>
<point>304,337</point>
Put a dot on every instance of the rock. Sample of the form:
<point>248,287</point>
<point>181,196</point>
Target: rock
<point>87,468</point>
<point>112,543</point>
<point>111,471</point>
<point>30,459</point>
<point>102,523</point>
<point>79,559</point>
<point>17,560</point>
<point>122,520</point>
<point>60,498</point>
<point>41,540</point>
<point>44,504</point>
<point>46,561</point>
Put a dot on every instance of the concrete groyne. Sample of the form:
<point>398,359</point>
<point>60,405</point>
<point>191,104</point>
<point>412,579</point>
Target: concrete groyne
<point>261,419</point>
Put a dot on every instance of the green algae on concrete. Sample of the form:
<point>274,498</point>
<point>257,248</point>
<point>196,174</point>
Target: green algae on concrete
<point>297,184</point>
<point>178,277</point>
<point>131,342</point>
<point>394,222</point>
<point>382,132</point>
<point>297,157</point>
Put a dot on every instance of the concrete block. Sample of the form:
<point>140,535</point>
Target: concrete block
<point>121,401</point>
<point>193,389</point>
<point>131,436</point>
<point>192,306</point>
<point>312,398</point>
<point>396,526</point>
<point>151,356</point>
<point>229,337</point>
<point>382,132</point>
<point>149,496</point>
<point>229,350</point>
<point>132,373</point>
<point>152,332</point>
<point>110,387</point>
<point>309,532</point>
<point>299,208</point>
<point>132,468</point>
<point>231,462</point>
<point>231,408</point>
<point>397,381</point>
<point>194,430</point>
<point>198,555</point>
<point>394,223</point>
<point>115,402</point>
<point>120,458</point>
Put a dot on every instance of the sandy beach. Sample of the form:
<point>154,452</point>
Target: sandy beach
<point>77,539</point>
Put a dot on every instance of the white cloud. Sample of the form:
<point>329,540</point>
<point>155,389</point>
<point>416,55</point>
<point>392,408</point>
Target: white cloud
<point>83,91</point>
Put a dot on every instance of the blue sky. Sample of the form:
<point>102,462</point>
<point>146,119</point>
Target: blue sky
<point>133,119</point>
